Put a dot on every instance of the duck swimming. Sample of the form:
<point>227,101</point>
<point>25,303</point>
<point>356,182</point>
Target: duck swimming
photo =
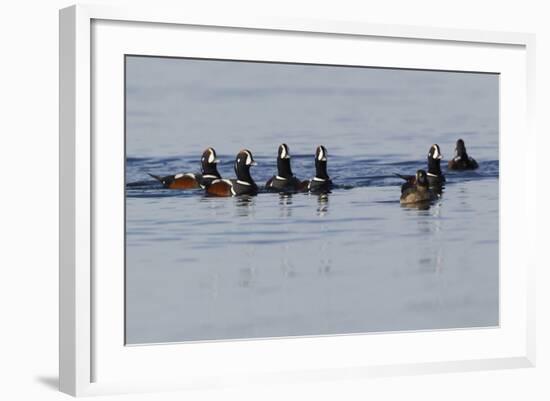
<point>462,161</point>
<point>242,185</point>
<point>321,182</point>
<point>418,190</point>
<point>209,172</point>
<point>434,174</point>
<point>284,181</point>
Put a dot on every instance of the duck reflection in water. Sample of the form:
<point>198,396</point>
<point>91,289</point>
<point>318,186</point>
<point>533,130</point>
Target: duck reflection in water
<point>245,205</point>
<point>424,205</point>
<point>285,203</point>
<point>428,208</point>
<point>322,204</point>
<point>430,263</point>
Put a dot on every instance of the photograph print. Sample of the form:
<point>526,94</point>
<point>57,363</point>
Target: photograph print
<point>267,200</point>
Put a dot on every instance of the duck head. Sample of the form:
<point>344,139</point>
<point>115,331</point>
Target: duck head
<point>434,160</point>
<point>460,150</point>
<point>243,162</point>
<point>209,163</point>
<point>283,162</point>
<point>321,163</point>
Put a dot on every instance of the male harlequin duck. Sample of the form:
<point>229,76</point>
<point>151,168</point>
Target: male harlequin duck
<point>462,161</point>
<point>243,185</point>
<point>284,181</point>
<point>209,172</point>
<point>435,175</point>
<point>321,182</point>
<point>418,191</point>
<point>436,179</point>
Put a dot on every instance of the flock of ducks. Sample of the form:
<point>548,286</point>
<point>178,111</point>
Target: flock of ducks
<point>424,186</point>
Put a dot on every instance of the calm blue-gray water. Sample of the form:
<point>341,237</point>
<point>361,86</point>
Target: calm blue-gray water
<point>352,261</point>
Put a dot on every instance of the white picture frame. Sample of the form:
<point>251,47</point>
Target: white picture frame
<point>93,358</point>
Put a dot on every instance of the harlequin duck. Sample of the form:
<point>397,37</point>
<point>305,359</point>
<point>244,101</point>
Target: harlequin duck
<point>243,185</point>
<point>321,182</point>
<point>462,161</point>
<point>435,175</point>
<point>191,180</point>
<point>417,191</point>
<point>284,181</point>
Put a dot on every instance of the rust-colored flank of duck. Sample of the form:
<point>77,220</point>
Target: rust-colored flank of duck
<point>185,182</point>
<point>219,188</point>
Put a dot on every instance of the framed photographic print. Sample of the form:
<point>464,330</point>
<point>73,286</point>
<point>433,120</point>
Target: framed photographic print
<point>279,200</point>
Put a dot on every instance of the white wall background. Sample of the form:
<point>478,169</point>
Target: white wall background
<point>28,195</point>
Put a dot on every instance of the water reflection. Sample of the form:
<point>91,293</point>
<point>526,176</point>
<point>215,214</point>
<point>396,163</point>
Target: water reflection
<point>429,221</point>
<point>265,272</point>
<point>285,203</point>
<point>429,226</point>
<point>426,205</point>
<point>438,189</point>
<point>431,263</point>
<point>245,205</point>
<point>325,265</point>
<point>248,271</point>
<point>212,206</point>
<point>246,277</point>
<point>465,198</point>
<point>287,266</point>
<point>322,204</point>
